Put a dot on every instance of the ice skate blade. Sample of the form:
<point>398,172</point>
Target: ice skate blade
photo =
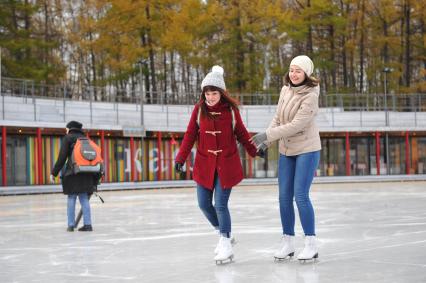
<point>313,259</point>
<point>287,257</point>
<point>225,261</point>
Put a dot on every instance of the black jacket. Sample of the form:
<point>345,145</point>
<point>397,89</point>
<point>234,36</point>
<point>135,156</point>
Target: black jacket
<point>73,184</point>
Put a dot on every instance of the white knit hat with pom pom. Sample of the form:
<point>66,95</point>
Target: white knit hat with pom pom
<point>305,63</point>
<point>214,78</point>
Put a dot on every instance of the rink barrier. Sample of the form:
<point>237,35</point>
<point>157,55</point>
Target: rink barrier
<point>42,189</point>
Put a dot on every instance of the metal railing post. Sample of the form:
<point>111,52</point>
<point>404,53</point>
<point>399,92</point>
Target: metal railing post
<point>415,111</point>
<point>2,102</point>
<point>366,104</point>
<point>167,115</point>
<point>90,97</point>
<point>34,104</point>
<point>116,110</point>
<point>63,102</point>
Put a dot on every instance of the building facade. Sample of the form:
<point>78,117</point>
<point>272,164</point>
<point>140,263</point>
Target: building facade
<point>31,154</point>
<point>366,134</point>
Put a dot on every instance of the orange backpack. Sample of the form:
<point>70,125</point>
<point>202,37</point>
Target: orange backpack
<point>86,157</point>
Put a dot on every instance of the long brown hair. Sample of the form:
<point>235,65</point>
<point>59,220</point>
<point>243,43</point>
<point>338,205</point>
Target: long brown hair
<point>224,98</point>
<point>309,81</point>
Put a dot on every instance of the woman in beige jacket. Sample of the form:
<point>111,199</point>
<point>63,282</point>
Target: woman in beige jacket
<point>299,146</point>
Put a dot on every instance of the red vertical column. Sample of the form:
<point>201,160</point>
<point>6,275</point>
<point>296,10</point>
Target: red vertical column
<point>39,158</point>
<point>348,154</point>
<point>407,154</point>
<point>103,152</point>
<point>169,158</point>
<point>250,167</point>
<point>378,152</point>
<point>159,156</point>
<point>103,144</point>
<point>173,143</point>
<point>132,159</point>
<point>3,156</point>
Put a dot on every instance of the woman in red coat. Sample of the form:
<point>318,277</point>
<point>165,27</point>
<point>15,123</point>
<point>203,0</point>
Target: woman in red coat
<point>216,125</point>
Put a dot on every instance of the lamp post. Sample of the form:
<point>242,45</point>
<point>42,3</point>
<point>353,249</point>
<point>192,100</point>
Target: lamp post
<point>0,72</point>
<point>140,63</point>
<point>1,91</point>
<point>386,70</point>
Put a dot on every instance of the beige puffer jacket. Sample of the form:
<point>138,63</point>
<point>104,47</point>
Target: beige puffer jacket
<point>294,121</point>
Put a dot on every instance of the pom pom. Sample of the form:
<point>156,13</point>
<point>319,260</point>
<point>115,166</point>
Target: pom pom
<point>217,69</point>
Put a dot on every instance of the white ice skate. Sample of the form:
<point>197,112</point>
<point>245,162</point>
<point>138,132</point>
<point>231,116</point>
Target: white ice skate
<point>286,250</point>
<point>225,251</point>
<point>233,243</point>
<point>310,251</point>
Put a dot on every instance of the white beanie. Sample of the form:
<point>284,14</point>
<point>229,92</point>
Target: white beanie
<point>214,78</point>
<point>305,63</point>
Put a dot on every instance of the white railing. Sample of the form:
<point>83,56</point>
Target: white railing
<point>174,118</point>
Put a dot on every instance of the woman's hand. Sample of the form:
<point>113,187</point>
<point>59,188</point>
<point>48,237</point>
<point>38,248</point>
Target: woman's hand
<point>259,139</point>
<point>179,167</point>
<point>262,151</point>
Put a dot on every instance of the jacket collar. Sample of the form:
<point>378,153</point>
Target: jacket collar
<point>219,106</point>
<point>303,89</point>
<point>75,130</point>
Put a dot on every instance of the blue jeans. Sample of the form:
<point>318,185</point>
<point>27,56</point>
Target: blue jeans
<point>84,202</point>
<point>295,175</point>
<point>218,215</point>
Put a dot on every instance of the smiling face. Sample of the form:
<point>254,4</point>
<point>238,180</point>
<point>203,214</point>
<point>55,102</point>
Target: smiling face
<point>296,74</point>
<point>212,97</point>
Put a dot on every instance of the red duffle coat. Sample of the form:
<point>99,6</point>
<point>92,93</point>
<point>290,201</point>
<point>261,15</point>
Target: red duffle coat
<point>216,146</point>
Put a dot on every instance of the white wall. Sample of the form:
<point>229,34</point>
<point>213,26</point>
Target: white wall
<point>42,112</point>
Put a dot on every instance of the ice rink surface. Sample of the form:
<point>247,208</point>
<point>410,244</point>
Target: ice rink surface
<point>367,232</point>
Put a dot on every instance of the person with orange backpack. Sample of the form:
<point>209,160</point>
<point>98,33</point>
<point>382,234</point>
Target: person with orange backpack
<point>82,172</point>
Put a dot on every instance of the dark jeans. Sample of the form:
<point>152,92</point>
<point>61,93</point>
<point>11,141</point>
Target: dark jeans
<point>218,215</point>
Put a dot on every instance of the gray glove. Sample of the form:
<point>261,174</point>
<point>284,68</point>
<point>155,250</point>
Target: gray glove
<point>262,147</point>
<point>259,139</point>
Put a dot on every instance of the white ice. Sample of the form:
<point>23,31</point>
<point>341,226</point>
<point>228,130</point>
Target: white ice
<point>367,232</point>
